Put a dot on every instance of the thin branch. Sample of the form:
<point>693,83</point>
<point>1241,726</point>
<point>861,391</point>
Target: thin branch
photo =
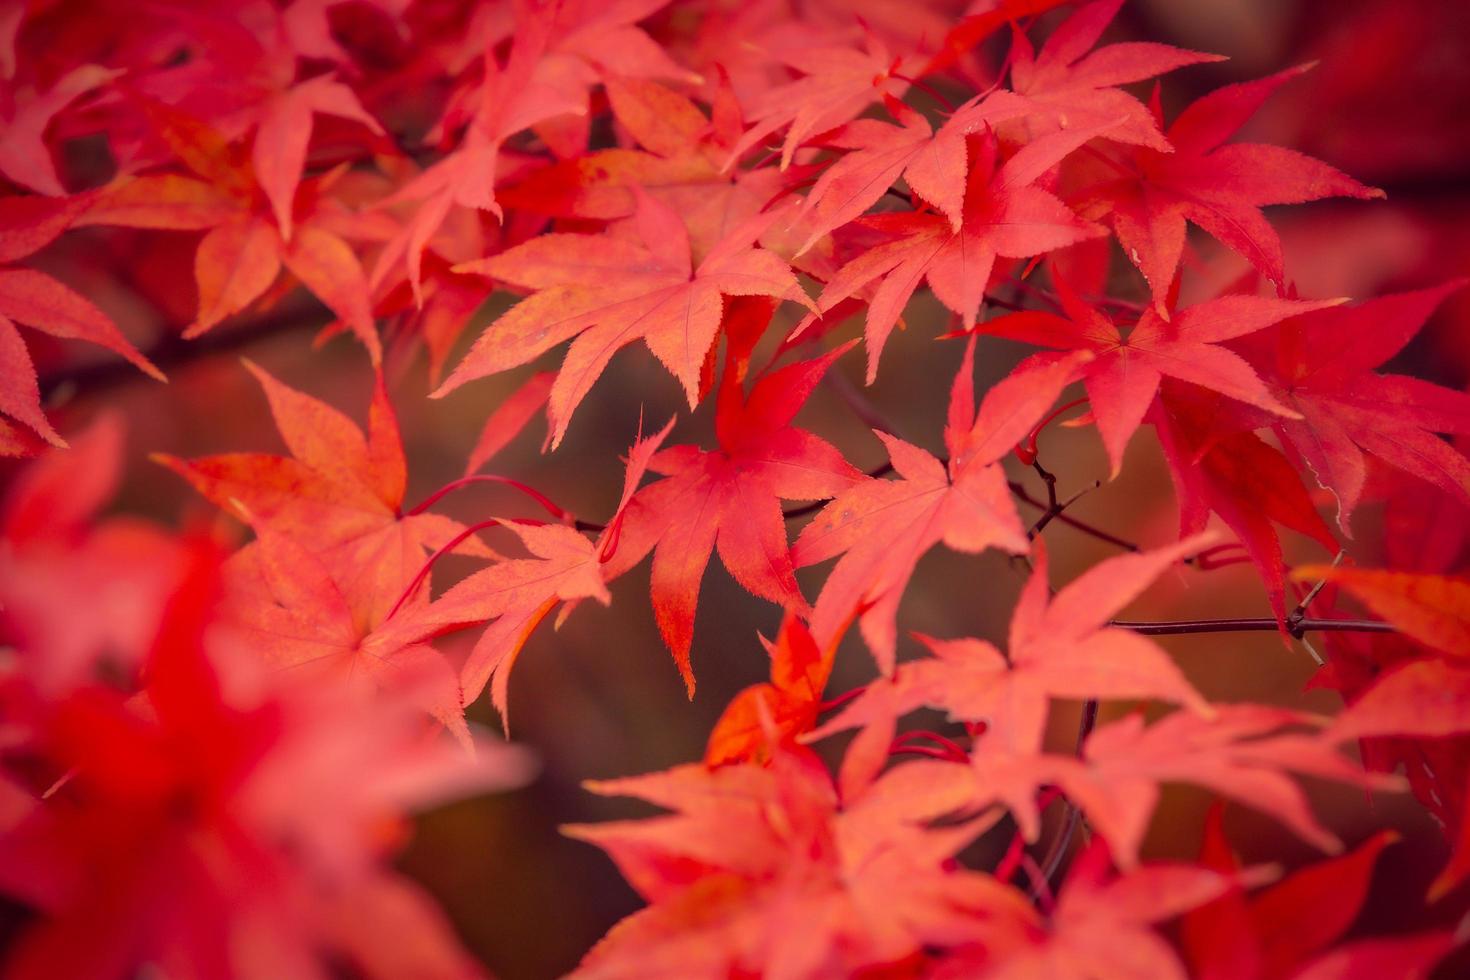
<point>1023,495</point>
<point>1073,821</point>
<point>1253,625</point>
<point>858,403</point>
<point>817,505</point>
<point>173,351</point>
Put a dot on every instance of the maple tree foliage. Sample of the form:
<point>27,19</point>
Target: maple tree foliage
<point>214,729</point>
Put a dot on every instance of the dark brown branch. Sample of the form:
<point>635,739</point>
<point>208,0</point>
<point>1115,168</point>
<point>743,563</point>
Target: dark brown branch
<point>1261,625</point>
<point>1063,841</point>
<point>173,351</point>
<point>1023,495</point>
<point>817,505</point>
<point>1297,626</point>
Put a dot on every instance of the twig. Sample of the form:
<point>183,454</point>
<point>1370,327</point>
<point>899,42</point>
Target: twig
<point>1023,495</point>
<point>817,505</point>
<point>1296,616</point>
<point>173,351</point>
<point>864,409</point>
<point>1261,625</point>
<point>1063,840</point>
<point>1052,513</point>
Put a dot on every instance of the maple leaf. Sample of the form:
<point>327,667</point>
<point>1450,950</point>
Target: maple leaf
<point>933,163</point>
<point>1004,216</point>
<point>517,594</point>
<point>976,27</point>
<point>507,100</point>
<point>882,527</point>
<point>1239,476</point>
<point>24,157</point>
<point>786,706</point>
<point>1220,188</point>
<point>679,162</point>
<point>729,499</point>
<point>251,66</point>
<point>1289,929</point>
<point>221,805</point>
<point>339,495</point>
<point>757,870</point>
<point>1127,369</point>
<point>243,251</point>
<point>279,149</point>
<point>35,299</point>
<point>1433,609</point>
<point>837,84</point>
<point>1102,925</point>
<point>1321,365</point>
<point>1070,85</point>
<point>1426,698</point>
<point>1241,752</point>
<point>1059,648</point>
<point>609,291</point>
<point>509,418</point>
<point>57,556</point>
<point>283,600</point>
<point>590,42</point>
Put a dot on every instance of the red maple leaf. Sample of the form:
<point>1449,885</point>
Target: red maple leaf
<point>934,163</point>
<point>1289,929</point>
<point>24,156</point>
<point>222,805</point>
<point>1059,648</point>
<point>513,596</point>
<point>882,527</point>
<point>763,717</point>
<point>1237,475</point>
<point>1321,364</point>
<point>1219,187</point>
<point>679,162</point>
<point>1004,216</point>
<point>34,299</point>
<point>242,253</point>
<point>1103,924</point>
<point>1433,609</point>
<point>729,499</point>
<point>338,494</point>
<point>608,291</point>
<point>504,101</point>
<point>1124,376</point>
<point>1070,85</point>
<point>758,870</point>
<point>57,556</point>
<point>283,600</point>
<point>837,84</point>
<point>516,594</point>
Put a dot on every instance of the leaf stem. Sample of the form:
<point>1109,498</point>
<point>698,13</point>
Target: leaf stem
<point>464,481</point>
<point>454,542</point>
